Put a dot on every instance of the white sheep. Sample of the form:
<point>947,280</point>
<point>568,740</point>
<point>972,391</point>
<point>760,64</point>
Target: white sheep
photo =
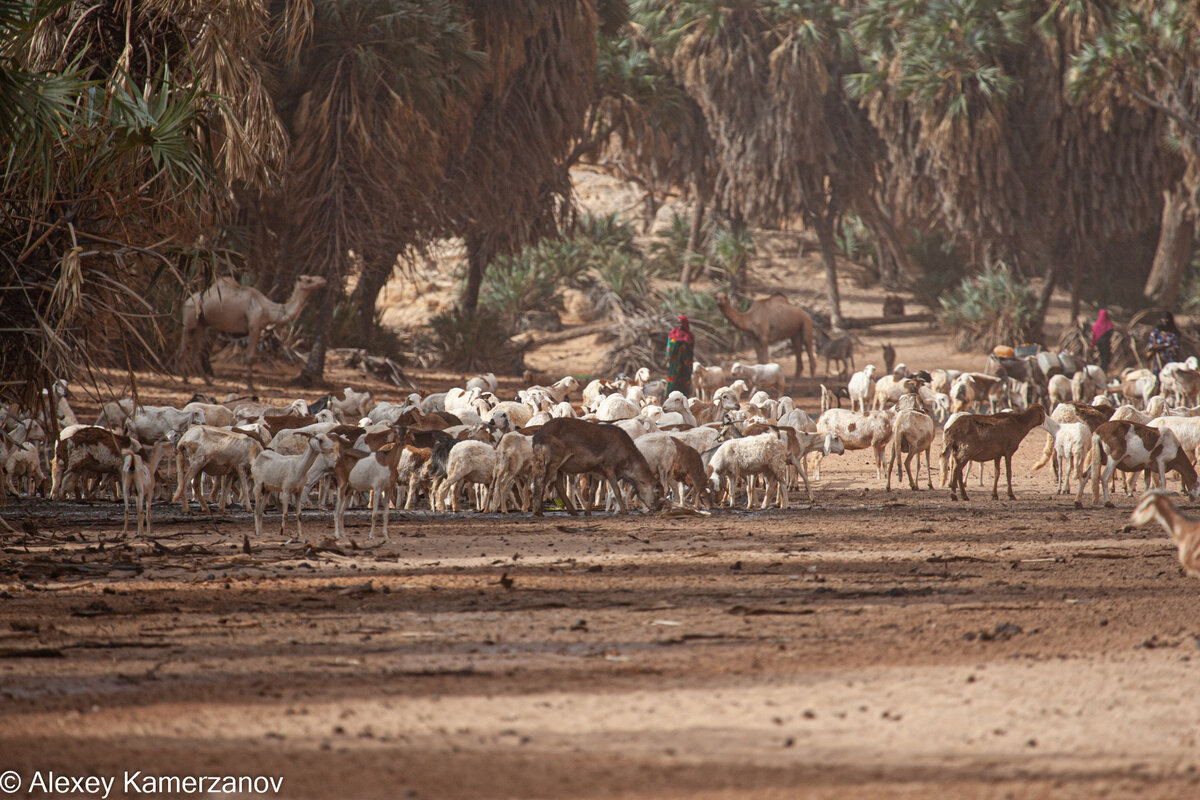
<point>23,464</point>
<point>287,475</point>
<point>912,433</point>
<point>1072,446</point>
<point>860,431</point>
<point>514,462</point>
<point>760,375</point>
<point>468,461</point>
<point>137,479</point>
<point>1061,390</point>
<point>152,423</point>
<point>706,380</point>
<point>762,455</point>
<point>615,407</point>
<point>860,387</point>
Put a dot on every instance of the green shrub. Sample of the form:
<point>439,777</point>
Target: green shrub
<point>854,240</point>
<point>478,342</point>
<point>941,268</point>
<point>994,307</point>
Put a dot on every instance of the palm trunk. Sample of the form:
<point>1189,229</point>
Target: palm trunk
<point>370,284</point>
<point>1174,247</point>
<point>693,243</point>
<point>828,255</point>
<point>313,373</point>
<point>1038,323</point>
<point>478,257</point>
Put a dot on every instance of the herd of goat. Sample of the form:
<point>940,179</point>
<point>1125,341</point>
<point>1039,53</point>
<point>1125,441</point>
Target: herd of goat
<point>616,442</point>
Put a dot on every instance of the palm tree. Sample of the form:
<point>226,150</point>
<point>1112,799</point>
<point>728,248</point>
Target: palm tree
<point>120,158</point>
<point>967,96</point>
<point>1148,53</point>
<point>787,140</point>
<point>375,99</point>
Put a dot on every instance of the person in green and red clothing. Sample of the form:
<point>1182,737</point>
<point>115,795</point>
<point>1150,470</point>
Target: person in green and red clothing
<point>679,358</point>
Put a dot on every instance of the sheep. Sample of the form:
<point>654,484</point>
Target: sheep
<point>215,414</point>
<point>359,471</point>
<point>598,388</point>
<point>514,458</point>
<point>988,437</point>
<point>349,406</point>
<point>86,450</point>
<point>571,447</point>
<point>485,383</point>
<point>215,451</point>
<point>519,413</point>
<point>860,431</point>
<point>468,461</point>
<point>912,432</point>
<point>860,387</point>
<point>762,455</point>
<point>705,380</point>
<point>1087,382</point>
<point>287,475</point>
<point>559,390</point>
<point>23,464</point>
<point>152,423</point>
<point>615,407</point>
<point>137,474</point>
<point>1185,531</point>
<point>889,388</point>
<point>1060,390</point>
<point>1072,446</point>
<point>760,375</point>
<point>1186,430</point>
<point>1131,447</point>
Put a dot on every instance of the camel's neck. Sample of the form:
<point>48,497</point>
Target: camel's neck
<point>295,303</point>
<point>733,315</point>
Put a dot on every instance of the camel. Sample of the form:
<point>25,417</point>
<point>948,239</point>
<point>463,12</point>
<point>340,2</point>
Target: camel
<point>229,307</point>
<point>769,321</point>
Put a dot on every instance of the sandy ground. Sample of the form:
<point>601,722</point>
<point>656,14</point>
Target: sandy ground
<point>875,645</point>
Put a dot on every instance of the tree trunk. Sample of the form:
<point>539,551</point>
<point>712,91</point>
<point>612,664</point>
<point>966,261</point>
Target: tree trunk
<point>825,237</point>
<point>478,257</point>
<point>1038,323</point>
<point>693,242</point>
<point>1076,288</point>
<point>1174,247</point>
<point>313,373</point>
<point>370,283</point>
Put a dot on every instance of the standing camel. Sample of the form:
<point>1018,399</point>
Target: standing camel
<point>229,307</point>
<point>769,321</point>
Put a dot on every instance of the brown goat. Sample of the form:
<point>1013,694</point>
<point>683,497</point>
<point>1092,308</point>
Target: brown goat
<point>565,446</point>
<point>988,437</point>
<point>688,468</point>
<point>1155,507</point>
<point>87,451</point>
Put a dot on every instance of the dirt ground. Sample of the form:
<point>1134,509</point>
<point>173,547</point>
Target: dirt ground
<point>873,645</point>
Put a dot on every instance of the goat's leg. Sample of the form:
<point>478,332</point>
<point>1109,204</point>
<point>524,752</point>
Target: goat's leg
<point>560,484</point>
<point>908,468</point>
<point>1007,474</point>
<point>891,464</point>
<point>928,468</point>
<point>956,481</point>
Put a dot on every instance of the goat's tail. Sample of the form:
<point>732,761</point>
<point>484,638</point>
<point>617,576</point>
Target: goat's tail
<point>1047,453</point>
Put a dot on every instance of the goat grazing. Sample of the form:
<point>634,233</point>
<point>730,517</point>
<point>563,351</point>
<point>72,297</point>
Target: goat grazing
<point>567,446</point>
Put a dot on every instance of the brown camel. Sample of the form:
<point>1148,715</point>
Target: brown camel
<point>769,321</point>
<point>229,307</point>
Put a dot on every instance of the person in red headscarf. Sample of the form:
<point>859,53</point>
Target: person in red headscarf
<point>679,358</point>
<point>1102,338</point>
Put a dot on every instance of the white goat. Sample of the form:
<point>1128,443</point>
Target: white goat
<point>287,475</point>
<point>860,387</point>
<point>762,455</point>
<point>760,376</point>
